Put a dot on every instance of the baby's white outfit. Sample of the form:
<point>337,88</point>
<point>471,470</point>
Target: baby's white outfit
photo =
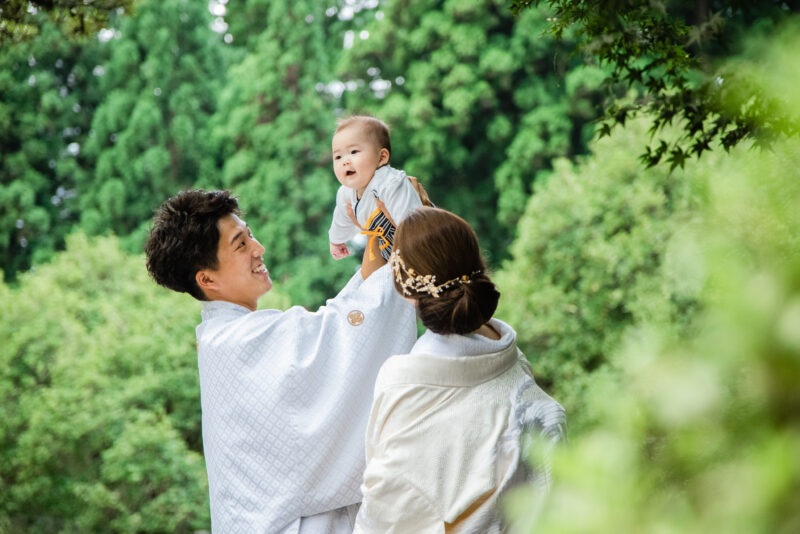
<point>393,188</point>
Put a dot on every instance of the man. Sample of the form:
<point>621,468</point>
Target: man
<point>285,395</point>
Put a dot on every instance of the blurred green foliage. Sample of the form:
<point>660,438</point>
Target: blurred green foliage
<point>272,131</point>
<point>23,19</point>
<point>698,430</point>
<point>100,398</point>
<point>150,135</point>
<point>598,250</point>
<point>47,96</point>
<point>97,132</point>
<point>479,102</point>
<point>673,54</point>
<point>102,424</point>
<point>660,307</point>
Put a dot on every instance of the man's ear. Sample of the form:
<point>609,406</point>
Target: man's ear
<point>383,156</point>
<point>205,280</point>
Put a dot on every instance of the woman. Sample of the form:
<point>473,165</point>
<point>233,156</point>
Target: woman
<point>444,435</point>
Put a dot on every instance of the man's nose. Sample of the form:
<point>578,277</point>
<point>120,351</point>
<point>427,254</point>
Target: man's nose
<point>258,249</point>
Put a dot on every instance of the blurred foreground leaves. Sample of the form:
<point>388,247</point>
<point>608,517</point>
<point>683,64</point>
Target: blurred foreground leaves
<point>697,430</point>
<point>596,253</point>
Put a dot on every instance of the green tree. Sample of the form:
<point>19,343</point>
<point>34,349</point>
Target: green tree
<point>479,102</point>
<point>246,21</point>
<point>597,251</point>
<point>48,91</point>
<point>100,399</point>
<point>699,430</point>
<point>149,136</point>
<point>82,362</point>
<point>669,52</point>
<point>22,19</point>
<point>272,131</point>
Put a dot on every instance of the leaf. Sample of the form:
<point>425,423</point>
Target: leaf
<point>677,158</point>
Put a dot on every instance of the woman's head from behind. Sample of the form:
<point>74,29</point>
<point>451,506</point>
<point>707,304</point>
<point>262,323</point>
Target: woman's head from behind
<point>437,262</point>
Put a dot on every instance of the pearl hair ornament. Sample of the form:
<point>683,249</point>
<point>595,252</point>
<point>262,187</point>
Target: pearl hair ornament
<point>409,279</point>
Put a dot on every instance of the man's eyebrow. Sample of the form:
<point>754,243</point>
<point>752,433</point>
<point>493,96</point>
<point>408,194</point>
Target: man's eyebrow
<point>239,234</point>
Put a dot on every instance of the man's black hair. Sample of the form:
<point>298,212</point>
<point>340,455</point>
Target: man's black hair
<point>184,238</point>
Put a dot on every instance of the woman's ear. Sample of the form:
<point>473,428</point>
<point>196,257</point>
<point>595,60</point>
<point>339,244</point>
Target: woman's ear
<point>383,157</point>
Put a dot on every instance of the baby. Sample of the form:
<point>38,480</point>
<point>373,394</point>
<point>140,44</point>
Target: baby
<point>374,197</point>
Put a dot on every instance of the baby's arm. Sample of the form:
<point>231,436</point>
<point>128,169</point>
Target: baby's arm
<point>339,251</point>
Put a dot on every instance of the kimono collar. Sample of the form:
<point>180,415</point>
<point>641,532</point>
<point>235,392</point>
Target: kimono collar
<point>453,368</point>
<point>467,344</point>
<point>220,308</point>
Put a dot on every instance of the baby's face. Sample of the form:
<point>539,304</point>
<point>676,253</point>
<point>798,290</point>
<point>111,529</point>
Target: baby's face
<point>355,158</point>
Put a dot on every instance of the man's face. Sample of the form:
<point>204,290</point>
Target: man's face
<point>355,158</point>
<point>241,276</point>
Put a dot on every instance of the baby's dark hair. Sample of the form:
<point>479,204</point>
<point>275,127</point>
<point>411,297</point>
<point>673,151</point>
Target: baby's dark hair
<point>433,241</point>
<point>185,237</point>
<point>377,130</point>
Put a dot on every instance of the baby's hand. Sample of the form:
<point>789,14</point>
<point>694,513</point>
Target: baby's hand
<point>339,251</point>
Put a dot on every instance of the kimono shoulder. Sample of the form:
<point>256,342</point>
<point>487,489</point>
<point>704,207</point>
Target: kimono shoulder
<point>444,438</point>
<point>285,398</point>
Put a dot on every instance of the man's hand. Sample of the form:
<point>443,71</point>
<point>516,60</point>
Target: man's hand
<point>352,215</point>
<point>339,251</point>
<point>385,210</point>
<point>369,266</point>
<point>423,195</point>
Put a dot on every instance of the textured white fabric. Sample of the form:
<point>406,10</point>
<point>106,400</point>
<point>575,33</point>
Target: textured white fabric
<point>444,435</point>
<point>285,399</point>
<point>340,521</point>
<point>390,185</point>
<point>465,345</point>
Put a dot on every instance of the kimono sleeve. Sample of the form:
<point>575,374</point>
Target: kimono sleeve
<point>392,506</point>
<point>285,401</point>
<point>390,503</point>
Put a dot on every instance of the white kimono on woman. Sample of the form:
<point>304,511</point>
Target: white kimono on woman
<point>446,432</point>
<point>285,397</point>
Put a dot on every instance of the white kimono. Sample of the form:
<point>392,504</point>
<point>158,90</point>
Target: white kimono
<point>285,399</point>
<point>395,191</point>
<point>444,435</point>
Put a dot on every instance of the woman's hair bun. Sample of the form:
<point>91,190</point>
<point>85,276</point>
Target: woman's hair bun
<point>436,242</point>
<point>461,309</point>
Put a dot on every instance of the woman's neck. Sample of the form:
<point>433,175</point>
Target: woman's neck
<point>487,330</point>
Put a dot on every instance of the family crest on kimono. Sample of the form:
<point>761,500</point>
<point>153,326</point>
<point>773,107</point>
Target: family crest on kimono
<point>285,395</point>
<point>288,397</point>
